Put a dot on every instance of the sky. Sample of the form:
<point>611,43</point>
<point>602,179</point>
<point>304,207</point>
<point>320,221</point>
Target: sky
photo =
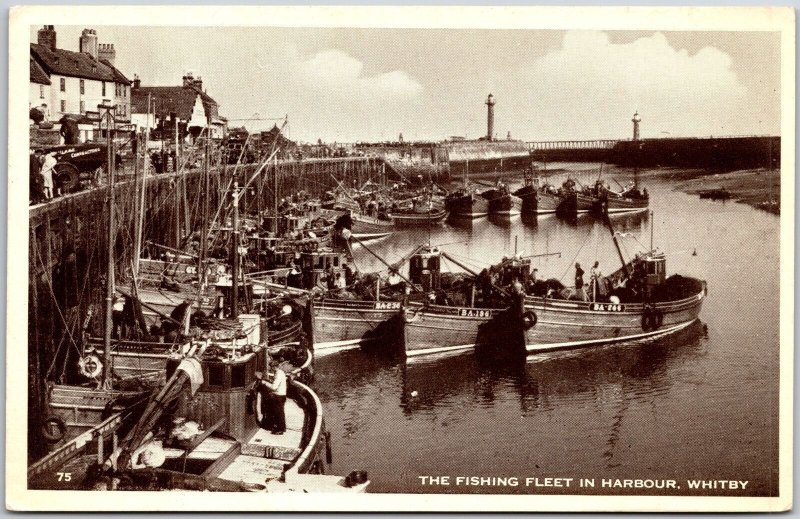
<point>350,85</point>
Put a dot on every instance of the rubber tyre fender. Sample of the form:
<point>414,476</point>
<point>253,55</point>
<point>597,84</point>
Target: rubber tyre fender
<point>53,429</point>
<point>657,319</point>
<point>647,319</point>
<point>67,177</point>
<point>529,319</point>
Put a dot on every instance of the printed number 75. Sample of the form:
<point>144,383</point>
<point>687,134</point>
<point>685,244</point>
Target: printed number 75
<point>64,476</point>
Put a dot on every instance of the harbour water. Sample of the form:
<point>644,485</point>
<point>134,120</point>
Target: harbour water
<point>702,404</point>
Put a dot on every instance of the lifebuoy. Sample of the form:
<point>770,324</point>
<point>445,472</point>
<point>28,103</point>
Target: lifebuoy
<point>529,319</point>
<point>53,429</point>
<point>90,366</point>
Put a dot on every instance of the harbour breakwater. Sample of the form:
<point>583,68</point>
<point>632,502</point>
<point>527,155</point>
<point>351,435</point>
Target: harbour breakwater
<point>68,243</point>
<point>712,153</point>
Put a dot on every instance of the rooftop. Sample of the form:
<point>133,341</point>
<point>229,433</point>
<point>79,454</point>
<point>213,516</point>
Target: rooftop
<point>75,64</point>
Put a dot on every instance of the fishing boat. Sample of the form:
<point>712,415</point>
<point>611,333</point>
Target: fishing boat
<point>416,218</point>
<point>577,200</point>
<point>636,302</point>
<point>538,197</point>
<point>502,202</point>
<point>466,202</point>
<point>629,199</point>
<point>464,314</point>
<point>92,394</point>
<point>212,441</point>
<point>626,201</point>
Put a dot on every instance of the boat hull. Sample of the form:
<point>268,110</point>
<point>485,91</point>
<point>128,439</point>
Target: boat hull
<point>414,219</point>
<point>468,206</point>
<point>574,203</point>
<point>366,228</point>
<point>440,329</point>
<point>344,324</point>
<point>561,324</point>
<point>614,204</point>
<point>528,196</point>
<point>504,204</point>
<point>547,202</point>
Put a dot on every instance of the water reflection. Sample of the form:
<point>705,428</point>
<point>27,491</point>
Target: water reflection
<point>541,380</point>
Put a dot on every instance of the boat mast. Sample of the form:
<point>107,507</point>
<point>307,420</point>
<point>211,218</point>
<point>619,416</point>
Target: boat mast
<point>235,247</point>
<point>204,224</point>
<point>140,217</point>
<point>110,239</point>
<point>617,246</point>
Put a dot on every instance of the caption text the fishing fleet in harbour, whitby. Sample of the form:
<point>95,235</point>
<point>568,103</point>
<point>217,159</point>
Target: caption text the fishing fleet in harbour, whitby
<point>536,482</point>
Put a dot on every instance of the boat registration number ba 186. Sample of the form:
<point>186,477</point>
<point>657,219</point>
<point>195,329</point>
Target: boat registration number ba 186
<point>473,312</point>
<point>607,307</point>
<point>387,305</point>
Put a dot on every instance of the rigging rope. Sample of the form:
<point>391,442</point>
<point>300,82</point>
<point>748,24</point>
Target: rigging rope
<point>571,263</point>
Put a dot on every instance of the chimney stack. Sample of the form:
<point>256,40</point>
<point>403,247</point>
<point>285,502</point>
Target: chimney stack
<point>88,42</point>
<point>136,82</point>
<point>188,79</point>
<point>106,51</point>
<point>47,37</point>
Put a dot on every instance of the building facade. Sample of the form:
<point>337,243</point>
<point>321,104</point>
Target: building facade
<point>77,83</point>
<point>189,104</point>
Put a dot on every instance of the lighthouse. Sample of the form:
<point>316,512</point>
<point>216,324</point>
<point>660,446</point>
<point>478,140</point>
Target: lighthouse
<point>636,120</point>
<point>490,117</point>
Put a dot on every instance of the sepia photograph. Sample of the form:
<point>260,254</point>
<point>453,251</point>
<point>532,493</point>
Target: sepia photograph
<point>405,259</point>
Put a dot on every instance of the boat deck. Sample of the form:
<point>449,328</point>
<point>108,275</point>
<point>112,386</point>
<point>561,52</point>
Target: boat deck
<point>264,455</point>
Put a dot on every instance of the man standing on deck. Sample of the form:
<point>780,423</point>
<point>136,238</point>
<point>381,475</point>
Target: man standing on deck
<point>264,417</point>
<point>581,291</point>
<point>277,400</point>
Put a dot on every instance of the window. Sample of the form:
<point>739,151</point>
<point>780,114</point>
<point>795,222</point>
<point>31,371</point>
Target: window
<point>216,375</point>
<point>83,107</point>
<point>41,91</point>
<point>104,88</point>
<point>63,84</point>
<point>63,106</point>
<point>238,375</point>
<point>83,88</point>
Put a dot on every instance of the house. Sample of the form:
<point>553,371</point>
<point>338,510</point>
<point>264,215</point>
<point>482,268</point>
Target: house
<point>193,108</point>
<point>73,84</point>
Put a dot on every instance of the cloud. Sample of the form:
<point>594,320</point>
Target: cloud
<point>338,75</point>
<point>596,85</point>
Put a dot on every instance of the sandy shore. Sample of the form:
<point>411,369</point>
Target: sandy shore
<point>754,187</point>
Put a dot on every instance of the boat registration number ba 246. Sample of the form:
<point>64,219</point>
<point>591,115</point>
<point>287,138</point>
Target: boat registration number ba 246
<point>387,305</point>
<point>607,307</point>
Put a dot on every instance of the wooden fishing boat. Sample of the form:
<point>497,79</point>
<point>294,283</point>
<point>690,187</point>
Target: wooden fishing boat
<point>341,324</point>
<point>574,202</point>
<point>415,218</point>
<point>465,203</point>
<point>231,453</point>
<point>502,202</point>
<point>528,195</point>
<point>627,201</point>
<point>438,324</point>
<point>636,302</point>
<point>548,200</point>
<point>367,228</point>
